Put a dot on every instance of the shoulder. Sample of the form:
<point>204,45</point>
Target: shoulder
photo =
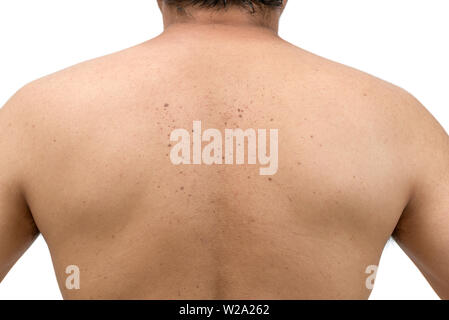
<point>389,118</point>
<point>53,105</point>
<point>377,101</point>
<point>69,92</point>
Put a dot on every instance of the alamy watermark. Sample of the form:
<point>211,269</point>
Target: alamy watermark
<point>371,279</point>
<point>72,282</point>
<point>215,152</point>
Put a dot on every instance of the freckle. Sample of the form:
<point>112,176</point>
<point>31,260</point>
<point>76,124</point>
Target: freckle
<point>299,163</point>
<point>54,140</point>
<point>311,137</point>
<point>271,119</point>
<point>249,177</point>
<point>240,116</point>
<point>169,145</point>
<point>270,179</point>
<point>190,195</point>
<point>158,187</point>
<point>365,94</point>
<point>113,237</point>
<point>238,110</point>
<point>182,188</point>
<point>166,105</point>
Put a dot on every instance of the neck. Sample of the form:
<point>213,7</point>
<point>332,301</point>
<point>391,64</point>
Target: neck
<point>230,18</point>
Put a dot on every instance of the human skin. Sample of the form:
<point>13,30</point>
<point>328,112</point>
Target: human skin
<point>84,158</point>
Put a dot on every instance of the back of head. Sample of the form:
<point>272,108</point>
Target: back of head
<point>223,4</point>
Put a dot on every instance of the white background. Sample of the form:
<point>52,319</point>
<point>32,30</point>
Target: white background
<point>402,41</point>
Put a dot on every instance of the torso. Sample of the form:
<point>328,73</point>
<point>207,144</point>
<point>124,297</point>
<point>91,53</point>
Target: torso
<point>107,198</point>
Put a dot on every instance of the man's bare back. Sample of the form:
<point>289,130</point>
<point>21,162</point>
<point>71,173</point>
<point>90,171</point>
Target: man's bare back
<point>87,158</point>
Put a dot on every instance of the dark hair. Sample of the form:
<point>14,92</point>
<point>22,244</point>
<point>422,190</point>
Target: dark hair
<point>221,4</point>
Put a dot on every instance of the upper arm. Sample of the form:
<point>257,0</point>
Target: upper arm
<point>423,230</point>
<point>17,227</point>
